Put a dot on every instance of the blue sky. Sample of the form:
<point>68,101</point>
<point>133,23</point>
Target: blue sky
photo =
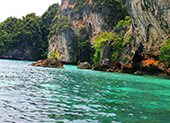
<point>19,8</point>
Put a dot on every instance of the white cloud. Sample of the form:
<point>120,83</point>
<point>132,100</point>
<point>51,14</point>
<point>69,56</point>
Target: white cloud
<point>19,8</point>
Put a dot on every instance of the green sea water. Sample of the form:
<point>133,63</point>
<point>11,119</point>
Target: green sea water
<point>36,94</point>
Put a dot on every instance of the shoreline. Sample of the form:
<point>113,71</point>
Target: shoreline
<point>66,63</point>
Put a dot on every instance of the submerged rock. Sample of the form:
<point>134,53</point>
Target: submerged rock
<point>49,63</point>
<point>84,65</point>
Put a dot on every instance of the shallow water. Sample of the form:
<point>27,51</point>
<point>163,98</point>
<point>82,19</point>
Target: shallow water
<point>37,94</point>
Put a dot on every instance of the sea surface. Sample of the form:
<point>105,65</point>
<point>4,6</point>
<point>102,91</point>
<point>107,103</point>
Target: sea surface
<point>35,94</point>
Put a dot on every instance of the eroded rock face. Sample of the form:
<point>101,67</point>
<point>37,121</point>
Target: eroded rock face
<point>87,15</point>
<point>151,29</point>
<point>151,24</point>
<point>63,44</point>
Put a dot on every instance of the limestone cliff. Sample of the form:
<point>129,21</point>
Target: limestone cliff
<point>73,17</point>
<point>151,29</point>
<point>78,22</point>
<point>151,24</point>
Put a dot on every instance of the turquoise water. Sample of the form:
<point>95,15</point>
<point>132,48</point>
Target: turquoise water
<point>37,94</point>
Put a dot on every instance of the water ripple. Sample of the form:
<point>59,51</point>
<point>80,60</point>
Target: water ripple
<point>36,94</point>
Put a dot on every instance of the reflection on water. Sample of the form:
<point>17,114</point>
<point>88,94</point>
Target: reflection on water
<point>36,94</point>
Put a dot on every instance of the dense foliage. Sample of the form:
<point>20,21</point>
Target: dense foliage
<point>79,6</point>
<point>100,42</point>
<point>13,31</point>
<point>114,9</point>
<point>50,14</point>
<point>83,45</point>
<point>125,22</point>
<point>117,45</point>
<point>31,29</point>
<point>46,23</point>
<point>60,24</point>
<point>53,55</point>
<point>164,55</point>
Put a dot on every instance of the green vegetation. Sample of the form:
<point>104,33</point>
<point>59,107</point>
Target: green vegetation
<point>164,55</point>
<point>13,31</point>
<point>60,24</point>
<point>125,59</point>
<point>46,23</point>
<point>125,22</point>
<point>31,29</point>
<point>36,30</point>
<point>116,10</point>
<point>119,42</point>
<point>118,45</point>
<point>65,23</point>
<point>50,14</point>
<point>79,6</point>
<point>100,42</point>
<point>84,45</point>
<point>54,56</point>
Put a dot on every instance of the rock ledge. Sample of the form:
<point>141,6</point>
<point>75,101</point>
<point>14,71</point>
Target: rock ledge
<point>49,63</point>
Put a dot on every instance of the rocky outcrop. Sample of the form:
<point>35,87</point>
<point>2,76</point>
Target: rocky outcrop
<point>49,63</point>
<point>63,44</point>
<point>102,66</point>
<point>84,65</point>
<point>114,60</point>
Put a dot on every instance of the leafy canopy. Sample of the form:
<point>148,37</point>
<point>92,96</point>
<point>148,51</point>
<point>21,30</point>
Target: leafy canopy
<point>31,29</point>
<point>125,22</point>
<point>54,55</point>
<point>164,55</point>
<point>100,42</point>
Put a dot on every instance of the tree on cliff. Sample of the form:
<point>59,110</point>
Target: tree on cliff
<point>164,55</point>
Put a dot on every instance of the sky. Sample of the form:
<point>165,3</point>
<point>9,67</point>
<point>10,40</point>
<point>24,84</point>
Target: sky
<point>19,8</point>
